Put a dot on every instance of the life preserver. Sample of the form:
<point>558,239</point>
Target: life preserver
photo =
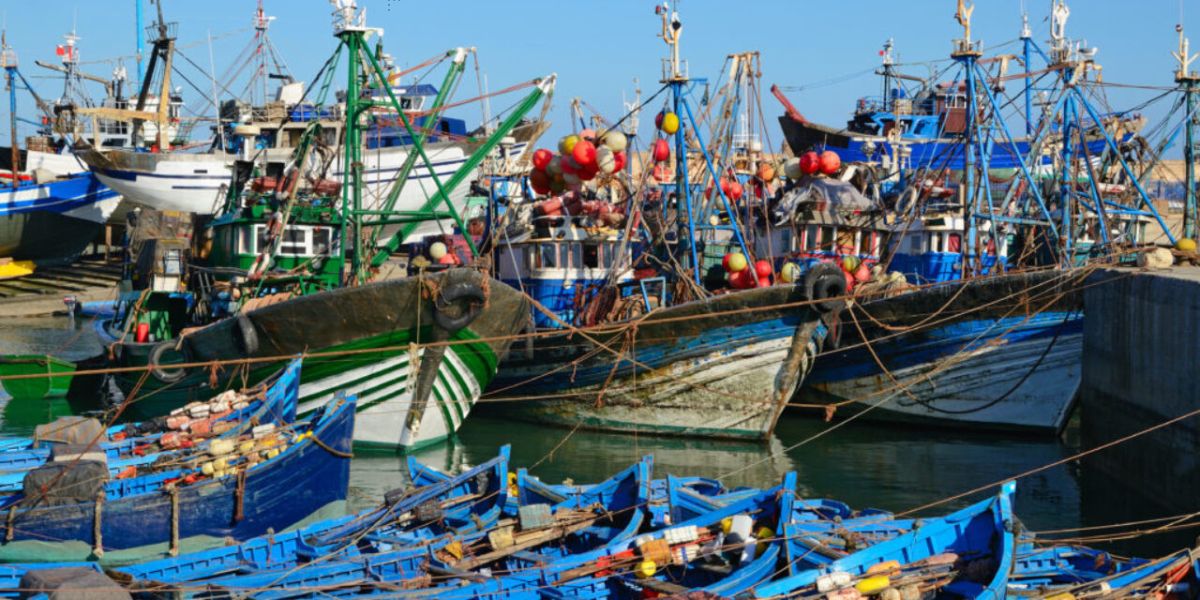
<point>470,299</point>
<point>161,373</point>
<point>826,284</point>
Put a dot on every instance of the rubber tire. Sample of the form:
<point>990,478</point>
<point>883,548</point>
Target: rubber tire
<point>826,284</point>
<point>452,294</point>
<point>156,367</point>
<point>247,335</point>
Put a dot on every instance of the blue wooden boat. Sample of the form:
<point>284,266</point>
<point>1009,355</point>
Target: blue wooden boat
<point>967,554</point>
<point>468,501</point>
<point>139,444</point>
<point>234,490</point>
<point>981,361</point>
<point>1076,571</point>
<point>437,559</point>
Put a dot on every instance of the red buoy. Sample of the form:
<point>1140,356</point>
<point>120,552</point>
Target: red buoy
<point>584,153</point>
<point>587,172</point>
<point>567,164</point>
<point>540,182</point>
<point>810,163</point>
<point>762,268</point>
<point>735,191</point>
<point>542,158</point>
<point>662,151</point>
<point>830,162</point>
<point>618,161</point>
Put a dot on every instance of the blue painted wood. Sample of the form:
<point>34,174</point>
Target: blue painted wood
<point>984,529</point>
<point>278,405</point>
<point>278,493</point>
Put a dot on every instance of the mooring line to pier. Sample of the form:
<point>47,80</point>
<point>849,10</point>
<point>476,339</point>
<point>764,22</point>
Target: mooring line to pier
<point>1073,457</point>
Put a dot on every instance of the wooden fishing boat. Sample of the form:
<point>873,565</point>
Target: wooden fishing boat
<point>1000,352</point>
<point>467,502</point>
<point>234,489</point>
<point>967,554</point>
<point>434,553</point>
<point>58,376</point>
<point>126,447</point>
<point>282,278</point>
<point>1075,571</point>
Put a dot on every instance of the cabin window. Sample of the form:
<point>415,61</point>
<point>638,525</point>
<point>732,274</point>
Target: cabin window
<point>576,256</point>
<point>321,242</point>
<point>954,243</point>
<point>547,257</point>
<point>914,243</point>
<point>827,239</point>
<point>935,242</point>
<point>810,237</point>
<point>591,256</point>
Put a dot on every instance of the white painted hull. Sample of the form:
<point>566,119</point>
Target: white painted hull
<point>385,401</point>
<point>728,393</point>
<point>1006,386</point>
<point>196,183</point>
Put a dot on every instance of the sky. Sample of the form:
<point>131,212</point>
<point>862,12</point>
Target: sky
<point>598,47</point>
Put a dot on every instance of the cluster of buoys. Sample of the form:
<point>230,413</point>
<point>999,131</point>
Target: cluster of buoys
<point>855,270</point>
<point>580,158</point>
<point>812,163</point>
<point>440,253</point>
<point>742,275</point>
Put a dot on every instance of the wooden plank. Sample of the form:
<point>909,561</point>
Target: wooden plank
<point>50,283</point>
<point>71,277</point>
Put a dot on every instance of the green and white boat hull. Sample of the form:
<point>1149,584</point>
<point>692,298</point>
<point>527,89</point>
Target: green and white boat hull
<point>416,381</point>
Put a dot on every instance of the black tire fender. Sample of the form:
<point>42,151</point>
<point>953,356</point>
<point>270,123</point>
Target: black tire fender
<point>161,372</point>
<point>468,296</point>
<point>826,285</point>
<point>247,335</point>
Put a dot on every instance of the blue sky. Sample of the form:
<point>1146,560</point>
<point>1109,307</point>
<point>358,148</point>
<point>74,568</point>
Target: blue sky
<point>597,47</point>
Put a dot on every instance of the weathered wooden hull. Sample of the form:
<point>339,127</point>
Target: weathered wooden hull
<point>709,368</point>
<point>303,482</point>
<point>1004,353</point>
<point>358,340</point>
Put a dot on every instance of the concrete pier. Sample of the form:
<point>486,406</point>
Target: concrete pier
<point>1141,367</point>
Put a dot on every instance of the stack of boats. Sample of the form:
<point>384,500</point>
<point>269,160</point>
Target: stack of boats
<point>355,268</point>
<point>224,499</point>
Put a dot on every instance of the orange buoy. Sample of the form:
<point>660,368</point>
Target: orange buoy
<point>584,153</point>
<point>830,162</point>
<point>766,172</point>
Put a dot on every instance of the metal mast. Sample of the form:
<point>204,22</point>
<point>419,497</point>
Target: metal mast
<point>1187,80</point>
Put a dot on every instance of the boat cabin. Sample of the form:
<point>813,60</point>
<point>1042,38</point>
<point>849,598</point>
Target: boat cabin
<point>562,268</point>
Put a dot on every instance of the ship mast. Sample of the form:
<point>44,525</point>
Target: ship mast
<point>8,59</point>
<point>1187,80</point>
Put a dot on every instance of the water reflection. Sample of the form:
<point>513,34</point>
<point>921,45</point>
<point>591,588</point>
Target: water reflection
<point>861,463</point>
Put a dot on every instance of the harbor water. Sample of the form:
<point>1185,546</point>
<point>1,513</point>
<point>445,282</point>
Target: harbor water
<point>860,463</point>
